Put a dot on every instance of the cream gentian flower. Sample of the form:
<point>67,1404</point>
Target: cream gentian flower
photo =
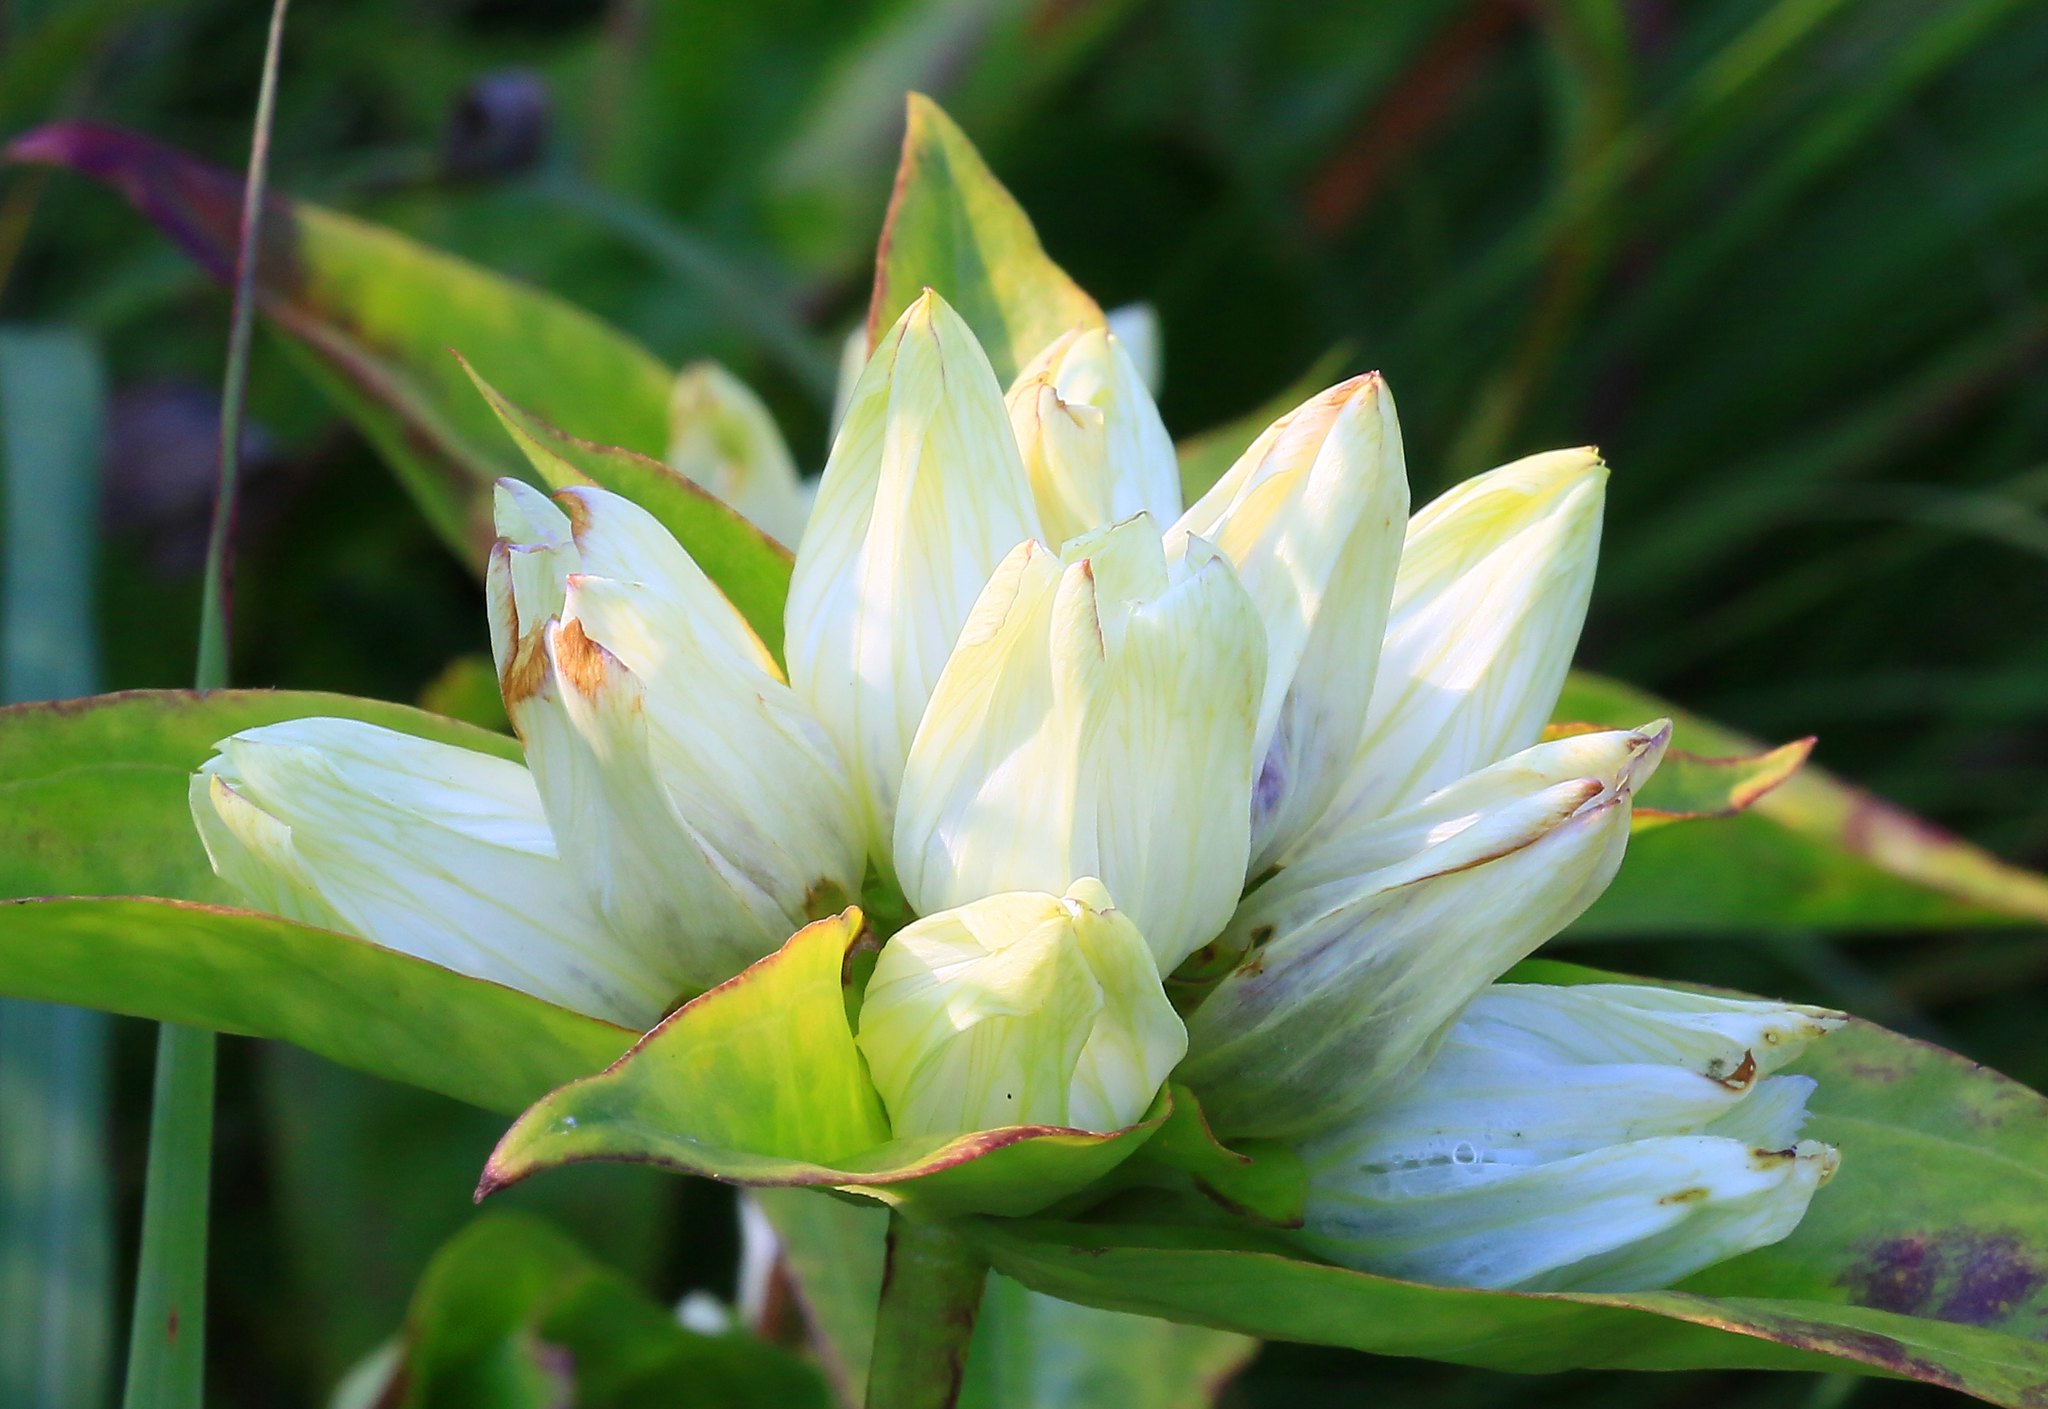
<point>683,814</point>
<point>1081,732</point>
<point>1601,1138</point>
<point>1019,1009</point>
<point>1311,515</point>
<point>1492,590</point>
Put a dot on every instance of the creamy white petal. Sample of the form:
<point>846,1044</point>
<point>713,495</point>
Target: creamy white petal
<point>722,438</point>
<point>1136,326</point>
<point>703,805</point>
<point>1488,602</point>
<point>1621,1218</point>
<point>923,495</point>
<point>1312,517</point>
<point>853,360</point>
<point>1604,1137</point>
<point>1092,441</point>
<point>1532,1073</point>
<point>421,847</point>
<point>1360,956</point>
<point>1019,1009</point>
<point>1095,720</point>
<point>1620,1023</point>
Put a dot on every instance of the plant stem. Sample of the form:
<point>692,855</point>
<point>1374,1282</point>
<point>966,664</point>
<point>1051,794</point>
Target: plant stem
<point>167,1338</point>
<point>931,1292</point>
<point>212,671</point>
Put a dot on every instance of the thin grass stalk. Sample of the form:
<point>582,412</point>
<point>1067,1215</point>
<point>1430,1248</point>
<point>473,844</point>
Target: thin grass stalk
<point>167,1338</point>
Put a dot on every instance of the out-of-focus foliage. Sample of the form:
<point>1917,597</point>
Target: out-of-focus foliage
<point>512,1315</point>
<point>1779,258</point>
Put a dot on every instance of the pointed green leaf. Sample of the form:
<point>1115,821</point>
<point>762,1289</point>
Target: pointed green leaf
<point>751,568</point>
<point>759,1082</point>
<point>1690,787</point>
<point>952,227</point>
<point>1926,1256</point>
<point>1813,852</point>
<point>372,314</point>
<point>92,791</point>
<point>237,971</point>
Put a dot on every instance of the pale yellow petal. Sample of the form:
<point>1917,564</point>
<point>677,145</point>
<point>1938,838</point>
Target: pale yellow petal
<point>923,496</point>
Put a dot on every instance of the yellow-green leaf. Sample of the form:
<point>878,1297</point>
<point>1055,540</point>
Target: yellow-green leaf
<point>758,1082</point>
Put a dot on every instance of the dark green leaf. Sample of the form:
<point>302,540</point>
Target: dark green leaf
<point>1927,1256</point>
<point>511,1313</point>
<point>237,971</point>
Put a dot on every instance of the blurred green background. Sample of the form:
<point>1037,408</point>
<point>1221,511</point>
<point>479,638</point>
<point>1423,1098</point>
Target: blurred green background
<point>1781,259</point>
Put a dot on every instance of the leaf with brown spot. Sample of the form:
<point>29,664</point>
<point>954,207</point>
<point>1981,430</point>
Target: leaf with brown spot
<point>1926,1256</point>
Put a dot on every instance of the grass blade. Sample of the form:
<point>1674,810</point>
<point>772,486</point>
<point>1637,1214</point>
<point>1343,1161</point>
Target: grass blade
<point>167,1338</point>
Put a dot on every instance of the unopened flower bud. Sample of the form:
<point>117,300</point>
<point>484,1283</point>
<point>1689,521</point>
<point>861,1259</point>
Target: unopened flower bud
<point>1357,958</point>
<point>1312,516</point>
<point>435,851</point>
<point>1095,720</point>
<point>922,497</point>
<point>1492,590</point>
<point>694,795</point>
<point>1019,1009</point>
<point>1602,1138</point>
<point>1091,439</point>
